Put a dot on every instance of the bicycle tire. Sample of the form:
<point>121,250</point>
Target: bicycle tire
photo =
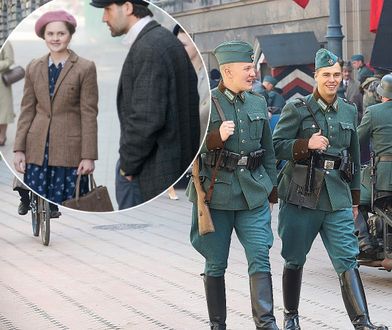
<point>45,221</point>
<point>35,218</point>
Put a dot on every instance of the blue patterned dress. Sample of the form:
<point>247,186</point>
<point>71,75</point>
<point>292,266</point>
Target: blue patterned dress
<point>56,183</point>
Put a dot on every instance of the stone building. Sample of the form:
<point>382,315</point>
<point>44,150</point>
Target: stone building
<point>213,21</point>
<point>12,12</point>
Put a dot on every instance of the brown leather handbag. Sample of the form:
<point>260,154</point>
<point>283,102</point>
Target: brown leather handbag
<point>13,75</point>
<point>96,200</point>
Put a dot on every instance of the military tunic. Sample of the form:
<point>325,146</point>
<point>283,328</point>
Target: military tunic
<point>240,198</point>
<point>376,126</point>
<point>333,216</point>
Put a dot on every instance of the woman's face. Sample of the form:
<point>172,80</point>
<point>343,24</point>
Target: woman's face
<point>57,37</point>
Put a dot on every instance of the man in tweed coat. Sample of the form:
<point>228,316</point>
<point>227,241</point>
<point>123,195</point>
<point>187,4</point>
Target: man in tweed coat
<point>157,102</point>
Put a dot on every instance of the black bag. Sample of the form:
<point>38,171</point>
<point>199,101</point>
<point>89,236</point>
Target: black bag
<point>96,200</point>
<point>13,75</point>
<point>297,195</point>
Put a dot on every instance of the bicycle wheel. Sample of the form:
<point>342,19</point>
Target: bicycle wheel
<point>45,221</point>
<point>35,218</point>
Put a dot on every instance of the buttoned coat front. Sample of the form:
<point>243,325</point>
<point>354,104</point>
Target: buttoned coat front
<point>158,109</point>
<point>68,119</point>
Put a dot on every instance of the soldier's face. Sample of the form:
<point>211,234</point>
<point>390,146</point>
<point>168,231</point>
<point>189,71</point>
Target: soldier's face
<point>241,76</point>
<point>116,19</point>
<point>328,80</point>
<point>356,64</point>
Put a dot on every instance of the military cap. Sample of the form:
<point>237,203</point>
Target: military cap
<point>324,58</point>
<point>234,52</point>
<point>271,80</point>
<point>53,16</point>
<point>385,87</point>
<point>104,3</point>
<point>358,57</point>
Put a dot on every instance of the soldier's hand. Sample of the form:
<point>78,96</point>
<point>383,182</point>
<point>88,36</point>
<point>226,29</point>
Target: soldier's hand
<point>318,142</point>
<point>355,211</point>
<point>226,129</point>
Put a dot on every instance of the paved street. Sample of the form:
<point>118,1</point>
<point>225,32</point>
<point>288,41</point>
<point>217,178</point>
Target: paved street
<point>137,270</point>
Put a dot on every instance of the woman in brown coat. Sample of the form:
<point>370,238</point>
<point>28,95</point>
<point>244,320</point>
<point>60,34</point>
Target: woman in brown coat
<point>56,136</point>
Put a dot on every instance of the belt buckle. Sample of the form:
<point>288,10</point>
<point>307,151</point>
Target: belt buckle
<point>329,164</point>
<point>243,161</point>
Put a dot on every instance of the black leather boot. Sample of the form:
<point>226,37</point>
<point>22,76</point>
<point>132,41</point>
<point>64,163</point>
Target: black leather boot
<point>291,284</point>
<point>216,301</point>
<point>24,205</point>
<point>262,301</point>
<point>355,301</point>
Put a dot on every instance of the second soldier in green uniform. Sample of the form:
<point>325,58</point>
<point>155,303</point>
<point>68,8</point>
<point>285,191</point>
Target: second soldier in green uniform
<point>318,189</point>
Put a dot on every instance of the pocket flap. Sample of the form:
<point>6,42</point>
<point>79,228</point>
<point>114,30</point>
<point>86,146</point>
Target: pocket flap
<point>256,116</point>
<point>349,126</point>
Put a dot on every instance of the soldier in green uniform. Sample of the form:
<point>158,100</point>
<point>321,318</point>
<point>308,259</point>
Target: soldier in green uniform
<point>376,127</point>
<point>318,192</point>
<point>244,187</point>
<point>358,62</point>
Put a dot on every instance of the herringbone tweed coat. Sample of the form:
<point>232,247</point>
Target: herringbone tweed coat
<point>158,109</point>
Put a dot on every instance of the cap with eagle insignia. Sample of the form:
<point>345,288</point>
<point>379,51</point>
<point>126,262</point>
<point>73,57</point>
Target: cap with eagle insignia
<point>325,58</point>
<point>234,52</point>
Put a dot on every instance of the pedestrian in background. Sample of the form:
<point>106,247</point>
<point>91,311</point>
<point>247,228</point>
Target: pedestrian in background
<point>157,104</point>
<point>244,186</point>
<point>358,62</point>
<point>56,137</point>
<point>319,192</point>
<point>6,104</point>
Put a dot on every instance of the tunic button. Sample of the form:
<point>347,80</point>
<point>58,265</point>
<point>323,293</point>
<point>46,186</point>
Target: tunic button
<point>242,152</point>
<point>242,131</point>
<point>313,126</point>
<point>240,121</point>
<point>257,117</point>
<point>327,172</point>
<point>238,110</point>
<point>331,126</point>
<point>241,169</point>
<point>329,118</point>
<point>243,141</point>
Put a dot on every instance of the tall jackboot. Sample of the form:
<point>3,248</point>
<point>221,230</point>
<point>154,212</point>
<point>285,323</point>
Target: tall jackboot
<point>216,301</point>
<point>291,284</point>
<point>262,301</point>
<point>355,301</point>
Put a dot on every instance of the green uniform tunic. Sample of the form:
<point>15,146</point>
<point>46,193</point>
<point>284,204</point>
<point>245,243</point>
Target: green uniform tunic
<point>376,127</point>
<point>333,217</point>
<point>240,198</point>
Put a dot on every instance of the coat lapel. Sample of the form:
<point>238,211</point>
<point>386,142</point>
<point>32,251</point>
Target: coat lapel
<point>68,65</point>
<point>45,79</point>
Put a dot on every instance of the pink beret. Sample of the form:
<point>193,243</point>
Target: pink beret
<point>53,16</point>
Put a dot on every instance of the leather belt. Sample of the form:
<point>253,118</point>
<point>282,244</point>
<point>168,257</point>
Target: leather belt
<point>243,161</point>
<point>325,162</point>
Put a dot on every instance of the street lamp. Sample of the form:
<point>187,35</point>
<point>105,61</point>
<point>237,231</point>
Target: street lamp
<point>334,30</point>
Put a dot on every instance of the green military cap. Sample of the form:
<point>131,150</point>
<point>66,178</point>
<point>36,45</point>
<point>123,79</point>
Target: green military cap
<point>324,58</point>
<point>234,52</point>
<point>358,57</point>
<point>271,80</point>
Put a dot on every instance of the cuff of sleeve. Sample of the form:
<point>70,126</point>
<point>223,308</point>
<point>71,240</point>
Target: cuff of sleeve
<point>213,140</point>
<point>356,194</point>
<point>300,149</point>
<point>273,197</point>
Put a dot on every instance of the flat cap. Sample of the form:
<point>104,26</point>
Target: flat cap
<point>53,16</point>
<point>271,80</point>
<point>234,52</point>
<point>357,57</point>
<point>104,3</point>
<point>324,58</point>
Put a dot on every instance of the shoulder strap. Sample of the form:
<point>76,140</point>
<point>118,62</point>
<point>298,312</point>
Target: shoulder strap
<point>219,160</point>
<point>218,108</point>
<point>311,112</point>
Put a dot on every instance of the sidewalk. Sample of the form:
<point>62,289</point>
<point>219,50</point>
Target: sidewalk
<point>137,270</point>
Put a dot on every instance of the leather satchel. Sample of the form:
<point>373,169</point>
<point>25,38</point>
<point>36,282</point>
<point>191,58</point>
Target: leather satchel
<point>13,75</point>
<point>96,200</point>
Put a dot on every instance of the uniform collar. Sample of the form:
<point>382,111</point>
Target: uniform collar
<point>324,104</point>
<point>230,95</point>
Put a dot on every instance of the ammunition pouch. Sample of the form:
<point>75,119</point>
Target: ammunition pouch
<point>230,160</point>
<point>297,188</point>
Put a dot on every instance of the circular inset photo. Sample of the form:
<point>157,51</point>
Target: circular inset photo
<point>111,103</point>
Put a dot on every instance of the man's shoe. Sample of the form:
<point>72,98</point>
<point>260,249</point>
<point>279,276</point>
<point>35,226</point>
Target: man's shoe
<point>23,208</point>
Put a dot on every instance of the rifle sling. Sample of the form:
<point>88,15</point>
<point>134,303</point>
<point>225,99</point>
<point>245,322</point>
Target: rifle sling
<point>219,160</point>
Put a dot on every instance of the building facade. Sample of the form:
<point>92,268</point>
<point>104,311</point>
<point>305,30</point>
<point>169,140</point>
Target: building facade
<point>213,21</point>
<point>12,12</point>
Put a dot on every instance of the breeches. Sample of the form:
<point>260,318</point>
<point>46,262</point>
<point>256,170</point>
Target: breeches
<point>299,227</point>
<point>253,229</point>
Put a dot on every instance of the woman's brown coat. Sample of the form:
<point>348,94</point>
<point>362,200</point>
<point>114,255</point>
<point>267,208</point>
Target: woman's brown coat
<point>70,117</point>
